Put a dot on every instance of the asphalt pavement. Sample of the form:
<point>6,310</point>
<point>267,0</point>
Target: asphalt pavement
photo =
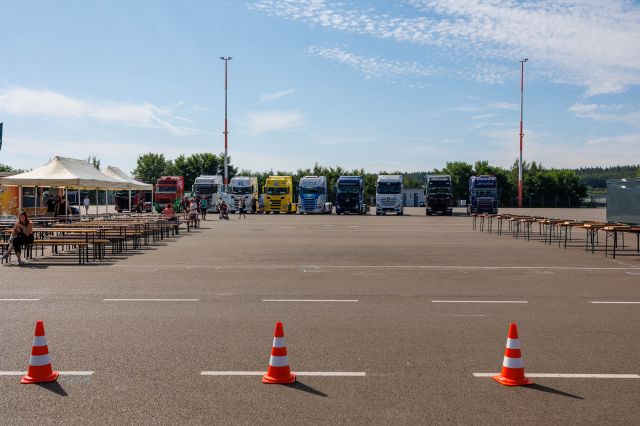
<point>393,315</point>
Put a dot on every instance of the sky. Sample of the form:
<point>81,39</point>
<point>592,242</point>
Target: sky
<point>380,85</point>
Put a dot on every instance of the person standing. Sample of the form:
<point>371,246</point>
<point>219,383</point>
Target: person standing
<point>254,203</point>
<point>243,209</point>
<point>85,203</point>
<point>203,207</point>
<point>22,235</point>
<point>51,206</point>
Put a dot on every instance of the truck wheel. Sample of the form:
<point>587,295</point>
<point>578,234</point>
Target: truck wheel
<point>429,213</point>
<point>400,213</point>
<point>378,213</point>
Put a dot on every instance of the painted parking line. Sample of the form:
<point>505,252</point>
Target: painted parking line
<point>19,300</point>
<point>479,301</point>
<point>298,373</point>
<point>399,267</point>
<point>150,300</point>
<point>63,373</point>
<point>617,303</point>
<point>312,300</point>
<point>570,375</point>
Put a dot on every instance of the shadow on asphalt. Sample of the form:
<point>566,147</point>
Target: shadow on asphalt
<point>306,388</point>
<point>547,389</point>
<point>54,387</point>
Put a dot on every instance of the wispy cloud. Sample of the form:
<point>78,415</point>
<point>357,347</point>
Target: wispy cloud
<point>607,113</point>
<point>589,43</point>
<point>26,101</point>
<point>483,116</point>
<point>370,66</point>
<point>260,122</point>
<point>617,142</point>
<point>269,97</point>
<point>503,105</point>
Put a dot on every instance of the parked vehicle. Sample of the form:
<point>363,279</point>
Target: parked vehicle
<point>350,196</point>
<point>439,195</point>
<point>209,187</point>
<point>241,187</point>
<point>140,201</point>
<point>312,195</point>
<point>483,194</point>
<point>169,189</point>
<point>389,194</point>
<point>278,195</point>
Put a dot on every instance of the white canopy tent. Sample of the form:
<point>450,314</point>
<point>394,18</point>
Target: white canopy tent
<point>62,172</point>
<point>131,184</point>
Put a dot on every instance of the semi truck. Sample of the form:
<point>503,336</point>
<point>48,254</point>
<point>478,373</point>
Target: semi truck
<point>438,195</point>
<point>278,195</point>
<point>312,195</point>
<point>169,190</point>
<point>483,194</point>
<point>209,187</point>
<point>389,195</point>
<point>241,187</point>
<point>350,195</point>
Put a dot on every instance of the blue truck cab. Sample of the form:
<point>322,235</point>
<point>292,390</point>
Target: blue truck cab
<point>350,195</point>
<point>312,192</point>
<point>483,195</point>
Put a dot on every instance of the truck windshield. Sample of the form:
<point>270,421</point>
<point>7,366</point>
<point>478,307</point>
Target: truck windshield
<point>304,191</point>
<point>485,192</point>
<point>439,186</point>
<point>241,190</point>
<point>348,189</point>
<point>389,188</point>
<point>276,191</point>
<point>166,189</point>
<point>204,188</point>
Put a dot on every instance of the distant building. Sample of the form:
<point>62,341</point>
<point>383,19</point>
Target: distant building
<point>413,197</point>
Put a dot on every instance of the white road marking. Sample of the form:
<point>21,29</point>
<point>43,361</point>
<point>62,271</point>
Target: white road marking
<point>569,375</point>
<point>426,267</point>
<point>150,300</point>
<point>311,300</point>
<point>63,373</point>
<point>618,303</point>
<point>19,300</point>
<point>298,373</point>
<point>479,301</point>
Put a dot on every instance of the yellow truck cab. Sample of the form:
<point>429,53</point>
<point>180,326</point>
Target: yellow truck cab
<point>278,195</point>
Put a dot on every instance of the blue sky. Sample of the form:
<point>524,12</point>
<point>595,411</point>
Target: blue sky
<point>405,85</point>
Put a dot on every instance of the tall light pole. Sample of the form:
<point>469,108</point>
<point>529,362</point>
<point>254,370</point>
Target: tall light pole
<point>521,134</point>
<point>226,60</point>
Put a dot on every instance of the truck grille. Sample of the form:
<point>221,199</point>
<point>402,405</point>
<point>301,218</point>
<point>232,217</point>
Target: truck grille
<point>309,204</point>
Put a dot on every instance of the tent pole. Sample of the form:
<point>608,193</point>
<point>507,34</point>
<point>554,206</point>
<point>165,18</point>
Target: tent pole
<point>66,200</point>
<point>97,211</point>
<point>19,199</point>
<point>130,202</point>
<point>79,204</point>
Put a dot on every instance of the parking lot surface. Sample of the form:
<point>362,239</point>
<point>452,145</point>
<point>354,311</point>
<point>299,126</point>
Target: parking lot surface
<point>393,314</point>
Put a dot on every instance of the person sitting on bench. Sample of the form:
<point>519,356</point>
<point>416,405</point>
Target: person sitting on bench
<point>170,214</point>
<point>22,235</point>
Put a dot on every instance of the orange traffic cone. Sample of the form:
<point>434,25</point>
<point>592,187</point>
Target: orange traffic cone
<point>512,366</point>
<point>278,371</point>
<point>40,370</point>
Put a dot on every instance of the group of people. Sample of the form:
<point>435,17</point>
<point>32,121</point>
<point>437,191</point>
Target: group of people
<point>57,206</point>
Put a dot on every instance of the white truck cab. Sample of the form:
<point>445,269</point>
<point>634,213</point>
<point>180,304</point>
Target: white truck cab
<point>208,187</point>
<point>241,187</point>
<point>389,194</point>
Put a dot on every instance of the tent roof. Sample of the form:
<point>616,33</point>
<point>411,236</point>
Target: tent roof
<point>115,173</point>
<point>64,172</point>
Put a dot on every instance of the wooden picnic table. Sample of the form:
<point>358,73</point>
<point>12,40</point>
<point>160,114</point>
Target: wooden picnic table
<point>613,230</point>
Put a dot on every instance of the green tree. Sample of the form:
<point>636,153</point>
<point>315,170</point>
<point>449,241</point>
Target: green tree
<point>94,161</point>
<point>6,168</point>
<point>151,166</point>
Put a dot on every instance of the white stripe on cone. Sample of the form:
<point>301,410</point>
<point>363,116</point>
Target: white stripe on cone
<point>279,361</point>
<point>278,342</point>
<point>39,340</point>
<point>512,362</point>
<point>40,360</point>
<point>513,343</point>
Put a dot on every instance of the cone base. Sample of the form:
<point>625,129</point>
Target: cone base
<point>27,380</point>
<point>275,381</point>
<point>510,382</point>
